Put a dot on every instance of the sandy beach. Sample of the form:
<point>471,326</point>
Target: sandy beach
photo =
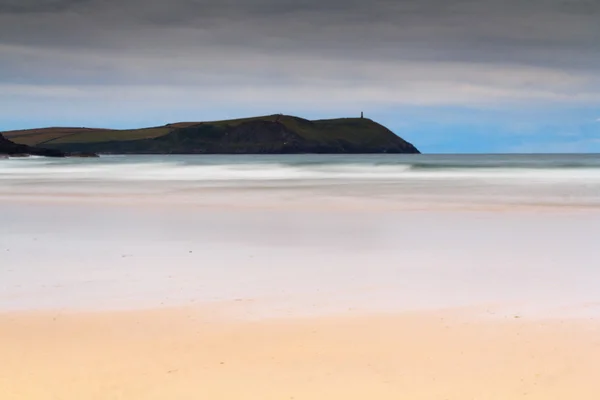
<point>199,354</point>
<point>281,292</point>
<point>207,306</point>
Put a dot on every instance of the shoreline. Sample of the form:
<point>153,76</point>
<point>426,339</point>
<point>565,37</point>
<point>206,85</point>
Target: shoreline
<point>328,204</point>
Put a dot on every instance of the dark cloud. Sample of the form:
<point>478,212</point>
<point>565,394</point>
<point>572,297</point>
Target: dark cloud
<point>37,6</point>
<point>483,30</point>
<point>448,49</point>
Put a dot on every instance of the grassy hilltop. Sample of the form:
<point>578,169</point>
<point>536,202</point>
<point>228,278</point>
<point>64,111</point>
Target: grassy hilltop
<point>273,134</point>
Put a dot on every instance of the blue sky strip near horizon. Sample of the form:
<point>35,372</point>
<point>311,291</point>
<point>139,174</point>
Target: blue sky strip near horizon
<point>451,76</point>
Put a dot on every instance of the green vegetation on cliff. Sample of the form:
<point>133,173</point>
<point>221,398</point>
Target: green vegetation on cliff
<point>274,134</point>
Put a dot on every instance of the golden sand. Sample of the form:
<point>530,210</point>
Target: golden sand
<point>187,354</point>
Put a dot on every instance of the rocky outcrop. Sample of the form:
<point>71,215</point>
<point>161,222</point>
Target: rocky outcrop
<point>13,149</point>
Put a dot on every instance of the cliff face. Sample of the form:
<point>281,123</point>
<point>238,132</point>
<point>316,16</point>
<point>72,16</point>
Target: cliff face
<point>13,149</point>
<point>276,134</point>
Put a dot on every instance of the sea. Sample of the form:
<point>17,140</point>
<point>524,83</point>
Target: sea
<point>358,181</point>
<point>265,236</point>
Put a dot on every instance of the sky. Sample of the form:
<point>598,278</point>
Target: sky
<point>450,76</point>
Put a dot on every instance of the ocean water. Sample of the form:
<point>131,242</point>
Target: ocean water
<point>353,180</point>
<point>306,234</point>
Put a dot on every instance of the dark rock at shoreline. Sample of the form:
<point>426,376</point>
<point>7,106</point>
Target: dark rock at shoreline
<point>8,148</point>
<point>83,155</point>
<point>21,150</point>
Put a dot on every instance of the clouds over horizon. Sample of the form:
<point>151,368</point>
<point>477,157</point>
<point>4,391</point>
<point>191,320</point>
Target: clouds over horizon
<point>308,55</point>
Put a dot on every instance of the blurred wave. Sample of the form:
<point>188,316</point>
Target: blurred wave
<point>557,179</point>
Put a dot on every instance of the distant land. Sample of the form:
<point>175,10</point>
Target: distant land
<point>273,134</point>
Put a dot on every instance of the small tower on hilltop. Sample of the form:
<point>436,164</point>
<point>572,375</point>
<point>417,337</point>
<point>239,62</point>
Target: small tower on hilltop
<point>362,115</point>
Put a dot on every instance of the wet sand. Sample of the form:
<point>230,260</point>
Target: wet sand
<point>95,258</point>
<point>196,353</point>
